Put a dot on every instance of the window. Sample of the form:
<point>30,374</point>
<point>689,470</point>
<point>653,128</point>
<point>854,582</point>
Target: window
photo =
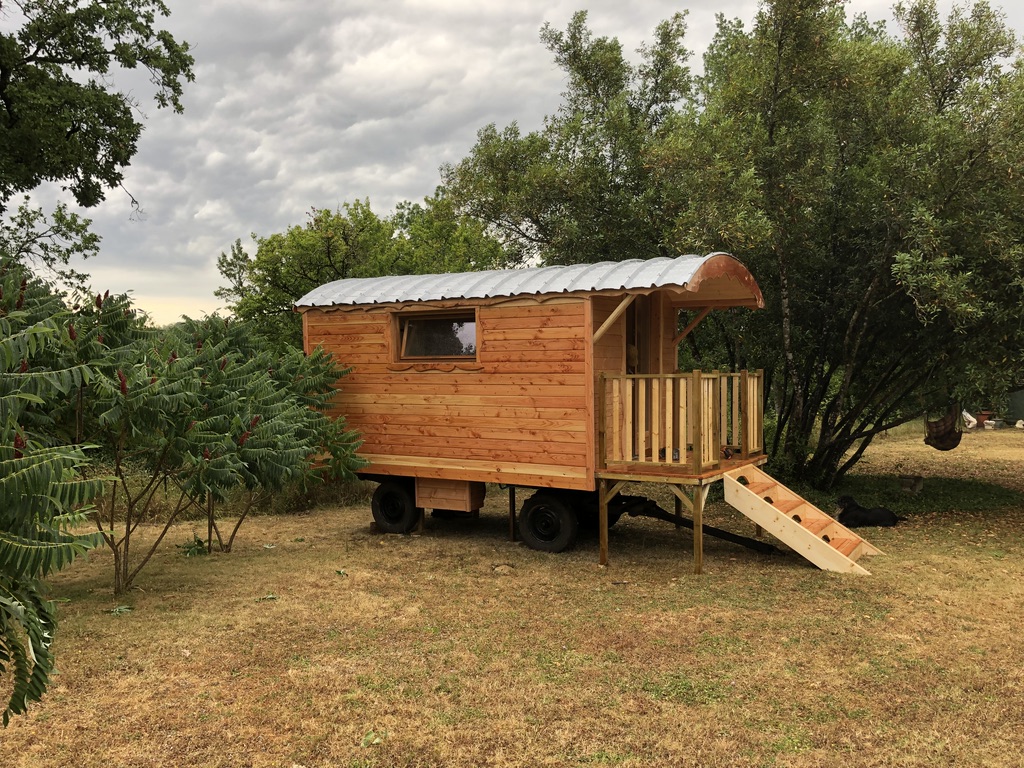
<point>426,336</point>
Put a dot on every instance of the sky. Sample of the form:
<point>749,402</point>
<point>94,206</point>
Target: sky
<point>326,102</point>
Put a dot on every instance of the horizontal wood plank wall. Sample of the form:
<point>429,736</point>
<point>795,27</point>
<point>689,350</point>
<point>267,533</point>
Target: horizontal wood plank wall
<point>518,414</point>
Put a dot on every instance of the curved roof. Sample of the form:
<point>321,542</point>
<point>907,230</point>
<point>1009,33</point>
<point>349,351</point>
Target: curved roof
<point>685,273</point>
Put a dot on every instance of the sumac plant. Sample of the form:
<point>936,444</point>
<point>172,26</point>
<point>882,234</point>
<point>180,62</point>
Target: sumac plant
<point>193,414</point>
<point>42,494</point>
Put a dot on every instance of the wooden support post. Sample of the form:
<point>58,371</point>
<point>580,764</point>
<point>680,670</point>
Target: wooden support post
<point>744,410</point>
<point>511,513</point>
<point>604,495</point>
<point>699,497</point>
<point>602,520</point>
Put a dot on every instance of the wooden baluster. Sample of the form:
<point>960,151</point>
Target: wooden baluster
<point>641,419</point>
<point>696,411</point>
<point>656,420</point>
<point>745,443</point>
<point>734,438</point>
<point>670,433</point>
<point>709,420</point>
<point>627,433</point>
<point>723,410</point>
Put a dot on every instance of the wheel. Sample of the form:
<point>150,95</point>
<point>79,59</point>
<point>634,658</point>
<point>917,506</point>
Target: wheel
<point>394,509</point>
<point>548,523</point>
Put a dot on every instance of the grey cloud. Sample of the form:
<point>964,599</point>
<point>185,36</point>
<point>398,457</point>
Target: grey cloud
<point>321,103</point>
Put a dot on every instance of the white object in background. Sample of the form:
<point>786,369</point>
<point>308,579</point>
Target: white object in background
<point>969,421</point>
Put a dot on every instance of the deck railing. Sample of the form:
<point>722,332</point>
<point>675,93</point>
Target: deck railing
<point>690,421</point>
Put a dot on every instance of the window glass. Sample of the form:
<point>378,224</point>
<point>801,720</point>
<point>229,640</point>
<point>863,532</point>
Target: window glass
<point>438,336</point>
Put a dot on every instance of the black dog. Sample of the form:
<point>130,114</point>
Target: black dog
<point>853,515</point>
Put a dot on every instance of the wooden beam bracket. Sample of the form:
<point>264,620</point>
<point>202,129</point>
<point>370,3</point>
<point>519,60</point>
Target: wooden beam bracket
<point>615,315</point>
<point>681,495</point>
<point>693,324</point>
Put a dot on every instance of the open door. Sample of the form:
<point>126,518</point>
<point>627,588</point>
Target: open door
<point>639,357</point>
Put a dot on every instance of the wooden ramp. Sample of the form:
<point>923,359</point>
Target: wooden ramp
<point>796,522</point>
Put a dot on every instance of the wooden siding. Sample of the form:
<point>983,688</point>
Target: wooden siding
<point>519,414</point>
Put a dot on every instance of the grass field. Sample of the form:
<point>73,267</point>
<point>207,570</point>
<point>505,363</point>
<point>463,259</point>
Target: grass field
<point>318,643</point>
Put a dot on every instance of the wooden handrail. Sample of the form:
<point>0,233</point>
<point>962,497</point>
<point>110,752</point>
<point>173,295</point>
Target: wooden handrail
<point>692,421</point>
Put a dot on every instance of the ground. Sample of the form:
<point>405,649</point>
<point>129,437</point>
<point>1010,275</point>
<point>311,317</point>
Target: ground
<point>319,643</point>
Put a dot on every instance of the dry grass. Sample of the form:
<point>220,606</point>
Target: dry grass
<point>318,643</point>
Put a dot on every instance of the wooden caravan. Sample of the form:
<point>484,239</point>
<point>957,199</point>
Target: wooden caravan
<point>561,379</point>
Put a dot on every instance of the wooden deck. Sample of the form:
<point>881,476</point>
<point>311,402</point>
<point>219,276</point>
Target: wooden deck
<point>683,430</point>
<point>679,426</point>
<point>677,474</point>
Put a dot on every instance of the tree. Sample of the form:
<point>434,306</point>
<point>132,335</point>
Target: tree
<point>61,120</point>
<point>45,245</point>
<point>187,416</point>
<point>42,493</point>
<point>332,245</point>
<point>873,184</point>
<point>868,181</point>
<point>581,189</point>
<point>431,238</point>
<point>350,242</point>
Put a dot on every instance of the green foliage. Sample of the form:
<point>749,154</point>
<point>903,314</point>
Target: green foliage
<point>870,183</point>
<point>194,548</point>
<point>582,189</point>
<point>46,245</point>
<point>61,119</point>
<point>350,242</point>
<point>42,493</point>
<point>204,408</point>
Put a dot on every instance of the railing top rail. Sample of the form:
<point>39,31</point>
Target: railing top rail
<point>684,375</point>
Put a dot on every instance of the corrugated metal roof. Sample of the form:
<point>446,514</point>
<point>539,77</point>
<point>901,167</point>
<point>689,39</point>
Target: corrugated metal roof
<point>608,275</point>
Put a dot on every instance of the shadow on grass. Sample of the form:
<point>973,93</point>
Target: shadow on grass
<point>940,495</point>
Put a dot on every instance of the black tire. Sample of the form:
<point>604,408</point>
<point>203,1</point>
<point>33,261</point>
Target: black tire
<point>394,509</point>
<point>548,523</point>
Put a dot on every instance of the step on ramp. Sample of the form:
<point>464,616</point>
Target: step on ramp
<point>796,522</point>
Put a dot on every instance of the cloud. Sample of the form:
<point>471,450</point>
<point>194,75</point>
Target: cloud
<point>324,103</point>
